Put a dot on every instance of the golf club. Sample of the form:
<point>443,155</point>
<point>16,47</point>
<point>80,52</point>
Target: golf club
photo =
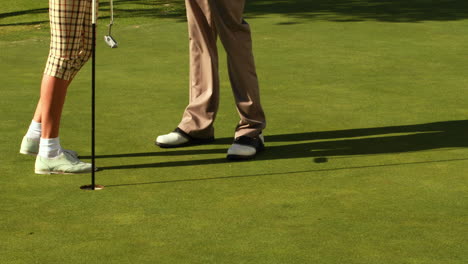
<point>111,42</point>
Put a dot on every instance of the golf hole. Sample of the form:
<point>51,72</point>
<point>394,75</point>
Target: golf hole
<point>97,187</point>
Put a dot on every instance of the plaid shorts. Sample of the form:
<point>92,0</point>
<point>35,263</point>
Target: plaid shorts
<point>70,37</point>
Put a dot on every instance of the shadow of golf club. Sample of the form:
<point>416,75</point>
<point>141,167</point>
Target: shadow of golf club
<point>159,154</point>
<point>287,172</point>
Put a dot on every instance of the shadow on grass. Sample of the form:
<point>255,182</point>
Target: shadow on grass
<point>37,11</point>
<point>288,172</point>
<point>358,10</point>
<point>366,141</point>
<point>331,10</point>
<point>25,12</point>
<point>122,9</point>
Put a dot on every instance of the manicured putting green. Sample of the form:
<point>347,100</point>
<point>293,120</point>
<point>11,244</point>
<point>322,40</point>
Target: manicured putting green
<point>366,158</point>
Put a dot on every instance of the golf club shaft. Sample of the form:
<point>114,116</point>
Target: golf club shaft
<point>112,11</point>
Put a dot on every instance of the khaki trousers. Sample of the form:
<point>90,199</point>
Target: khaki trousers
<point>207,19</point>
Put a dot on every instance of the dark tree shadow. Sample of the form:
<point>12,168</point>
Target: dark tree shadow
<point>331,10</point>
<point>366,141</point>
<point>21,13</point>
<point>25,12</point>
<point>122,8</point>
<point>357,10</point>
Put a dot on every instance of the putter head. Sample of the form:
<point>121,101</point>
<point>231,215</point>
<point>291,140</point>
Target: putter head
<point>111,42</point>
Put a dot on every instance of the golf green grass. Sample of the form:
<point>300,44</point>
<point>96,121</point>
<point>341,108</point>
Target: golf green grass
<point>367,149</point>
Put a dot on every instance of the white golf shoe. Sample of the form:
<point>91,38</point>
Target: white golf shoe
<point>30,146</point>
<point>178,138</point>
<point>62,164</point>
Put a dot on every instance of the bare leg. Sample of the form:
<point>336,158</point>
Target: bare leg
<point>49,108</point>
<point>38,113</point>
